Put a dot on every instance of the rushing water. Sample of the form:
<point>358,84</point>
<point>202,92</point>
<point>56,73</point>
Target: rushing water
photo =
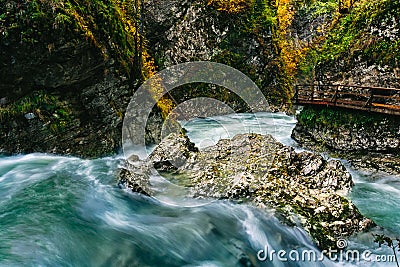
<point>65,211</point>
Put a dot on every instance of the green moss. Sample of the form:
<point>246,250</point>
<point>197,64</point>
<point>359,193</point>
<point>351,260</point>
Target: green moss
<point>335,118</point>
<point>46,107</point>
<point>318,8</point>
<point>353,35</point>
<point>365,33</point>
<point>109,25</point>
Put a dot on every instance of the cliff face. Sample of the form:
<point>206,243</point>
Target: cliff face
<point>70,94</point>
<point>284,43</point>
<point>360,48</point>
<point>182,31</point>
<point>370,141</point>
<point>64,86</point>
<point>69,68</point>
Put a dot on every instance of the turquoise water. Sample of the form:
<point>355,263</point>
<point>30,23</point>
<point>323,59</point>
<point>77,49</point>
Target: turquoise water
<point>65,211</point>
<point>378,197</point>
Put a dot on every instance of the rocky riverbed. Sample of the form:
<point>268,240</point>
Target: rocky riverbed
<point>303,188</point>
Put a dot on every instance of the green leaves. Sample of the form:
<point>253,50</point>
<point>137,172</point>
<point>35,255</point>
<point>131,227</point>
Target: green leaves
<point>369,20</point>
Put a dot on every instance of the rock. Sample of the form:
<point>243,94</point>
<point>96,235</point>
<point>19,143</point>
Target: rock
<point>192,30</point>
<point>172,152</point>
<point>135,177</point>
<point>134,181</point>
<point>375,162</point>
<point>87,77</point>
<point>29,116</point>
<point>258,169</point>
<point>372,145</point>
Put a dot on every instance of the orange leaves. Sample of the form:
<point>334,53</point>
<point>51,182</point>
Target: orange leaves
<point>164,103</point>
<point>289,55</point>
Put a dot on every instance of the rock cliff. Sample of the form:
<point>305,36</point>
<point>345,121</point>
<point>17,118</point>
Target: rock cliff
<point>360,47</point>
<point>67,75</point>
<point>84,59</point>
<point>370,141</point>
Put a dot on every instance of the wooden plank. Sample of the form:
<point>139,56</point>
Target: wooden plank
<point>353,86</point>
<point>330,95</point>
<point>385,106</point>
<point>387,97</point>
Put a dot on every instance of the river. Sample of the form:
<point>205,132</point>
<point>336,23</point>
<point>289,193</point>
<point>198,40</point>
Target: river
<point>67,211</point>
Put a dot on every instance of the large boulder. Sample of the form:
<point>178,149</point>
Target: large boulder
<point>304,187</point>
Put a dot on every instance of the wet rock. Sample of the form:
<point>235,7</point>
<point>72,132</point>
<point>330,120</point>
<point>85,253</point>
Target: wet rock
<point>135,177</point>
<point>371,147</point>
<point>29,116</point>
<point>303,187</point>
<point>172,152</point>
<point>375,162</point>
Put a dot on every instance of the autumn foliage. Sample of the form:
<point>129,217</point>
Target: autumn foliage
<point>231,6</point>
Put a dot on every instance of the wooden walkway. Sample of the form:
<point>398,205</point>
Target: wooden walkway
<point>375,99</point>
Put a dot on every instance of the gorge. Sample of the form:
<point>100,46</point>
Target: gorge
<point>235,184</point>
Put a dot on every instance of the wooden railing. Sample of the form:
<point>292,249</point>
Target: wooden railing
<point>376,99</point>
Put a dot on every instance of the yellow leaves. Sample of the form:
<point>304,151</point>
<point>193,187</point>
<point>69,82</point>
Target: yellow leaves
<point>124,13</point>
<point>285,13</point>
<point>83,25</point>
<point>290,52</point>
<point>149,66</point>
<point>287,50</point>
<point>164,103</point>
<point>346,3</point>
<point>231,6</point>
<point>291,56</point>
